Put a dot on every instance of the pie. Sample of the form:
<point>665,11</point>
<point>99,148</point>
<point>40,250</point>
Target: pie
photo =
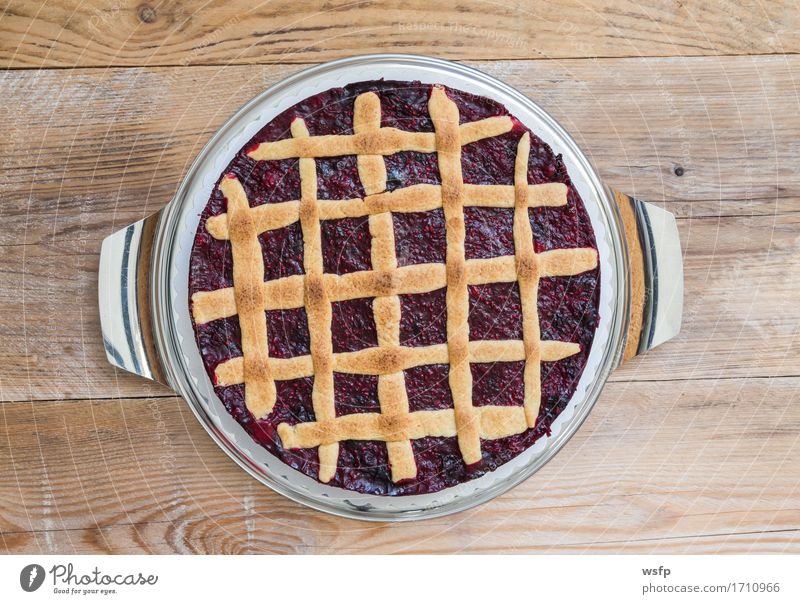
<point>394,287</point>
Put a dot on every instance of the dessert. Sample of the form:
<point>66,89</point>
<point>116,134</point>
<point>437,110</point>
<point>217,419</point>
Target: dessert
<point>394,287</point>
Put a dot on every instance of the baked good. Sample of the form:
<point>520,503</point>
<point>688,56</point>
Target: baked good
<point>394,287</point>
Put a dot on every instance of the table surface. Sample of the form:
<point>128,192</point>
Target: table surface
<point>693,448</point>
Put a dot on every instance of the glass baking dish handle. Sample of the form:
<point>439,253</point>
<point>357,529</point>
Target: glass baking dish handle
<point>655,273</point>
<point>124,298</point>
<point>656,287</point>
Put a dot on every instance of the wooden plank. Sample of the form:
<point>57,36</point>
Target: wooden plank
<point>48,305</point>
<point>740,313</point>
<point>697,440</point>
<point>739,316</point>
<point>667,467</point>
<point>155,538</point>
<point>112,145</point>
<point>110,33</point>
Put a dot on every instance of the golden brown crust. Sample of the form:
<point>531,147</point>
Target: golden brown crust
<point>248,274</point>
<point>528,279</point>
<point>383,360</point>
<point>315,290</point>
<point>318,307</point>
<point>392,395</point>
<point>551,194</point>
<point>384,141</point>
<point>444,115</point>
<point>287,292</point>
<point>231,372</point>
<point>266,217</point>
<point>475,131</point>
<point>416,198</point>
<point>367,121</point>
<point>564,262</point>
<point>492,422</point>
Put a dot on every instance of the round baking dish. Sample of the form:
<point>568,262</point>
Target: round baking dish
<point>143,290</point>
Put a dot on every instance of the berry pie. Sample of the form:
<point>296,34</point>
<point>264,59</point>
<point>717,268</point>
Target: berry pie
<point>394,287</point>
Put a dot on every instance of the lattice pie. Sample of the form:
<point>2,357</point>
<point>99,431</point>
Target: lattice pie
<point>394,287</point>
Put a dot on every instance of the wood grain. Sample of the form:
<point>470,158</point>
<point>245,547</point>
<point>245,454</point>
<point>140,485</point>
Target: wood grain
<point>87,152</point>
<point>65,33</point>
<point>100,169</point>
<point>668,467</point>
<point>736,268</point>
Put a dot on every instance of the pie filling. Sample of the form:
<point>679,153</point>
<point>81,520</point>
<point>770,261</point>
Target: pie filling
<point>362,301</point>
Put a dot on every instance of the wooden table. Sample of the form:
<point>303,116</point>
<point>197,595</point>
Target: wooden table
<point>694,106</point>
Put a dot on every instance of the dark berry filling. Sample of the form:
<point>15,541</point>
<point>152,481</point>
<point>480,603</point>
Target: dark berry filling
<point>419,237</point>
<point>287,333</point>
<point>428,387</point>
<point>495,312</point>
<point>353,325</point>
<point>423,318</point>
<point>282,250</point>
<point>567,305</point>
<point>346,245</point>
<point>497,384</point>
<point>355,393</point>
<point>409,168</point>
<point>337,178</point>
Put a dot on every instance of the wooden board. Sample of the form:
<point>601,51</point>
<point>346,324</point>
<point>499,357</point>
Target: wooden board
<point>65,33</point>
<point>668,467</point>
<point>111,146</point>
<point>736,267</point>
<point>692,448</point>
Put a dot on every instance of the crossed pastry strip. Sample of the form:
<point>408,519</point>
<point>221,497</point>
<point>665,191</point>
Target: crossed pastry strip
<point>251,296</point>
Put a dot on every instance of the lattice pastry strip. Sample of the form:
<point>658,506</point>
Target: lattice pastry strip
<point>318,306</point>
<point>248,274</point>
<point>415,198</point>
<point>392,395</point>
<point>250,296</point>
<point>287,292</point>
<point>384,141</point>
<point>383,360</point>
<point>528,280</point>
<point>444,115</point>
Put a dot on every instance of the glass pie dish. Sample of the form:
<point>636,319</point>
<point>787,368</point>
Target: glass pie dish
<point>147,304</point>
